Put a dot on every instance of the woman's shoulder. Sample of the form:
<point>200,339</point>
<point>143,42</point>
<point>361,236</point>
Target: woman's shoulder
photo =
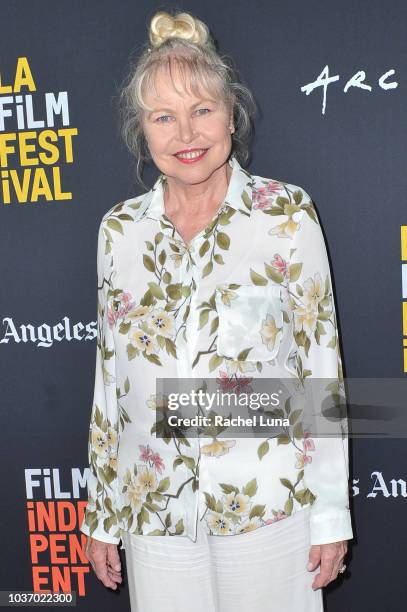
<point>278,195</point>
<point>130,209</point>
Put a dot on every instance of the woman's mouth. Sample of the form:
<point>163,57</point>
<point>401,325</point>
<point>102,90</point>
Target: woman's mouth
<point>191,157</point>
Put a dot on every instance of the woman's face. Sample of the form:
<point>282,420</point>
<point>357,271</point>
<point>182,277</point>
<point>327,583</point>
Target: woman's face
<point>181,122</point>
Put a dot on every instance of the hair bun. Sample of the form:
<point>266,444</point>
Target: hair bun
<point>182,25</point>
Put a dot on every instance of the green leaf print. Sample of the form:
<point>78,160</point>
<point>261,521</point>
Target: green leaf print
<point>148,263</point>
<point>250,488</point>
<point>263,449</point>
<point>115,225</point>
<point>257,279</point>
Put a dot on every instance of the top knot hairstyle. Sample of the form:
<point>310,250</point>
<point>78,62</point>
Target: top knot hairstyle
<point>163,26</point>
<point>184,41</point>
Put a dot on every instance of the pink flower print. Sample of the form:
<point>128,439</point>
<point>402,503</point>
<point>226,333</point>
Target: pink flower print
<point>225,381</point>
<point>157,462</point>
<point>147,455</point>
<point>119,307</point>
<point>263,196</point>
<point>278,517</point>
<point>146,452</point>
<point>243,384</point>
<point>124,305</point>
<point>111,318</point>
<point>233,383</point>
<point>308,443</point>
<point>280,264</point>
<point>125,297</point>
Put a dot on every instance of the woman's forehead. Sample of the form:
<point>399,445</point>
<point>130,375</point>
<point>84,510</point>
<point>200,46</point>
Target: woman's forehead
<point>170,84</point>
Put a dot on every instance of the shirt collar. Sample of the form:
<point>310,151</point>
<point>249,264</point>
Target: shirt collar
<point>238,195</point>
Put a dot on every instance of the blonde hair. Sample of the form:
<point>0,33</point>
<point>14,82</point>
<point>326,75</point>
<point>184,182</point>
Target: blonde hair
<point>185,41</point>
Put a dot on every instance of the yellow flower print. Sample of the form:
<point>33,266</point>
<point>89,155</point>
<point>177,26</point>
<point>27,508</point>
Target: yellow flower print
<point>314,290</point>
<point>219,524</point>
<point>100,441</point>
<point>139,313</point>
<point>217,448</point>
<point>285,230</point>
<point>177,258</point>
<point>157,401</point>
<point>269,331</point>
<point>113,462</point>
<point>180,252</point>
<point>249,525</point>
<point>143,341</point>
<point>111,437</point>
<point>236,502</point>
<point>300,461</point>
<point>226,295</point>
<point>234,366</point>
<point>162,323</point>
<point>147,479</point>
<point>305,318</point>
<point>108,379</point>
<point>134,494</point>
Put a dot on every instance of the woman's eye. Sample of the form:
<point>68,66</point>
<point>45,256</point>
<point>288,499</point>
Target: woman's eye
<point>162,117</point>
<point>203,109</point>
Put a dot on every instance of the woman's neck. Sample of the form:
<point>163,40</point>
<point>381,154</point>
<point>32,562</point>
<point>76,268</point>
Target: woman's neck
<point>182,199</point>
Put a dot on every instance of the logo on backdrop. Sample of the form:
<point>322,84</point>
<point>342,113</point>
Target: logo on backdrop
<point>36,141</point>
<point>381,486</point>
<point>358,80</point>
<point>45,335</point>
<point>54,515</point>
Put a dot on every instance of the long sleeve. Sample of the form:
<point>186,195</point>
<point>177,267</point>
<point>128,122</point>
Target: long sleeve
<point>314,324</point>
<point>100,519</point>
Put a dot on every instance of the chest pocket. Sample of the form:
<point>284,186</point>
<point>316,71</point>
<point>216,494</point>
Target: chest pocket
<point>250,317</point>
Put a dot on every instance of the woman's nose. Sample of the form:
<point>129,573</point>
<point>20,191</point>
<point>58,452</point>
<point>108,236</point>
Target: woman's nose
<point>186,129</point>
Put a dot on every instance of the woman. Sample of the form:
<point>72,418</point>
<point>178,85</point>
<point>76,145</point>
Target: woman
<point>220,274</point>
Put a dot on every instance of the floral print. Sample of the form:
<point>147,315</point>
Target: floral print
<point>269,331</point>
<point>250,296</point>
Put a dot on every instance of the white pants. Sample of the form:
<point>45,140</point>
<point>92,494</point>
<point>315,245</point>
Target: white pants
<point>258,571</point>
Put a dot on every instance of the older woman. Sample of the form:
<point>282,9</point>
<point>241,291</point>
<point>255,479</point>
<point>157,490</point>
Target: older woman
<point>218,273</point>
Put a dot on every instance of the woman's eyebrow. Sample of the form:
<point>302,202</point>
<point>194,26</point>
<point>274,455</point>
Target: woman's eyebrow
<point>160,110</point>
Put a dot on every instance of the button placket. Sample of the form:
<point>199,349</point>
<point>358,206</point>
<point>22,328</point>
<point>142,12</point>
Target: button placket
<point>185,351</point>
<point>189,274</point>
<point>194,276</point>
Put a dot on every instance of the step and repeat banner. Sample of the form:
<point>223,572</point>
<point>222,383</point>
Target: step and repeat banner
<point>330,82</point>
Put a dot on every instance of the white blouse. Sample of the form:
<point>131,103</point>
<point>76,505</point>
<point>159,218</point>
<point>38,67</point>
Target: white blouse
<point>249,297</point>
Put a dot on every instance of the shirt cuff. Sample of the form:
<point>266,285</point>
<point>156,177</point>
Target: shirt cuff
<point>99,534</point>
<point>325,529</point>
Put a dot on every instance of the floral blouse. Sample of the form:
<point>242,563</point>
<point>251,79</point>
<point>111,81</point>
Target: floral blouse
<point>249,296</point>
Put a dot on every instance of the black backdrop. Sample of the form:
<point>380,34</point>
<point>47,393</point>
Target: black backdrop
<point>348,154</point>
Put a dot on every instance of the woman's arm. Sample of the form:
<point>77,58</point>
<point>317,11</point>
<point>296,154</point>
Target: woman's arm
<point>100,520</point>
<point>318,356</point>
